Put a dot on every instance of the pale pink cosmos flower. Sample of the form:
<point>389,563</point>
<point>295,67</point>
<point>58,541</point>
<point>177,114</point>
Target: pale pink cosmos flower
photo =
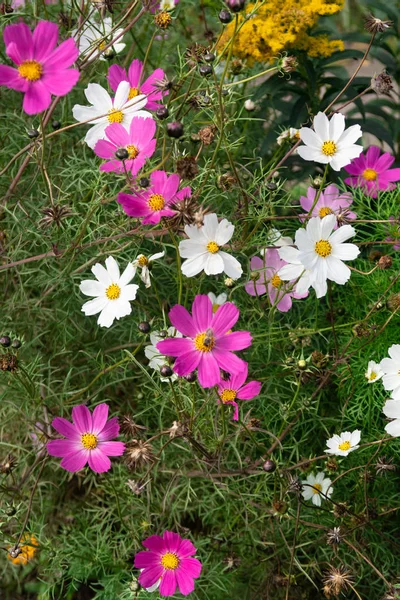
<point>42,69</point>
<point>330,202</point>
<point>168,564</point>
<point>149,88</point>
<point>139,143</point>
<point>279,292</point>
<point>372,173</point>
<point>235,389</point>
<point>87,439</point>
<point>157,200</point>
<point>209,343</point>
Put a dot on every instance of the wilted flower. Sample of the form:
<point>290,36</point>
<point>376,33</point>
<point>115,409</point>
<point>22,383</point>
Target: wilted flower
<point>374,372</point>
<point>143,263</point>
<point>336,581</point>
<point>375,25</point>
<point>382,83</point>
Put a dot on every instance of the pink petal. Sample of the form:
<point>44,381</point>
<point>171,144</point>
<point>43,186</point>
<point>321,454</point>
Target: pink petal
<point>149,577</point>
<point>172,541</point>
<point>112,448</point>
<point>186,363</point>
<point>185,581</point>
<point>158,180</point>
<point>185,192</point>
<point>110,431</point>
<point>285,304</point>
<point>192,566</point>
<point>391,175</point>
<point>208,370</point>
<point>82,418</point>
<point>202,313</point>
<point>168,584</point>
<point>155,543</point>
<point>11,78</point>
<point>141,131</point>
<point>186,549</point>
<point>249,391</point>
<point>228,361</point>
<point>255,289</point>
<point>134,206</point>
<point>98,461</point>
<point>118,135</point>
<point>175,346</point>
<point>75,462</point>
<point>182,321</point>
<point>37,98</point>
<point>134,72</point>
<point>21,35</point>
<point>105,149</point>
<point>62,57</point>
<point>237,340</point>
<point>60,83</point>
<point>116,74</point>
<point>45,39</point>
<point>371,157</point>
<point>146,559</point>
<point>171,186</point>
<point>224,319</point>
<point>384,162</point>
<point>63,447</point>
<point>99,418</point>
<point>65,428</point>
<point>238,379</point>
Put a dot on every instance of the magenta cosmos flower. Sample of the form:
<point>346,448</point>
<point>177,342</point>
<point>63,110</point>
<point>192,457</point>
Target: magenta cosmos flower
<point>116,74</point>
<point>330,202</point>
<point>209,342</point>
<point>372,173</point>
<point>87,439</point>
<point>139,142</point>
<point>42,69</point>
<point>168,564</point>
<point>234,389</point>
<point>154,202</point>
<point>279,292</point>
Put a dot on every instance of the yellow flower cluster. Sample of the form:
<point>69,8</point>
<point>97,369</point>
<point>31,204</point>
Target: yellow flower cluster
<point>29,546</point>
<point>280,25</point>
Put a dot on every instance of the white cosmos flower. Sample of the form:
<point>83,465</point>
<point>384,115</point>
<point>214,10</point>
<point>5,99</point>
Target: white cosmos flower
<point>392,410</point>
<point>391,371</point>
<point>322,251</point>
<point>275,238</point>
<point>374,372</point>
<point>217,301</point>
<point>144,262</point>
<point>97,34</point>
<point>314,485</point>
<point>158,360</point>
<point>106,110</point>
<point>203,249</point>
<point>329,142</point>
<point>343,444</point>
<point>112,292</point>
<point>294,270</point>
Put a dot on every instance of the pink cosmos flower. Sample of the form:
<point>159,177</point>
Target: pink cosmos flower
<point>330,201</point>
<point>116,74</point>
<point>42,69</point>
<point>168,564</point>
<point>88,439</point>
<point>139,142</point>
<point>234,388</point>
<point>209,343</point>
<point>279,292</point>
<point>372,172</point>
<point>154,202</point>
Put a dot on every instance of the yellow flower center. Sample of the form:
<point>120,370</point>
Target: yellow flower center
<point>323,248</point>
<point>102,45</point>
<point>89,441</point>
<point>156,202</point>
<point>228,395</point>
<point>329,148</point>
<point>316,488</point>
<point>170,561</point>
<point>163,20</point>
<point>30,70</point>
<point>133,93</point>
<point>370,174</point>
<point>345,446</point>
<point>212,247</point>
<point>372,376</point>
<point>142,260</point>
<point>215,307</point>
<point>113,291</point>
<point>276,281</point>
<point>115,116</point>
<point>204,342</point>
<point>325,210</point>
<point>132,151</point>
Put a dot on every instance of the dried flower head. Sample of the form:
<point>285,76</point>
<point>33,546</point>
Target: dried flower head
<point>319,359</point>
<point>195,53</point>
<point>289,64</point>
<point>382,83</point>
<point>375,25</point>
<point>294,485</point>
<point>8,362</point>
<point>231,562</point>
<point>384,464</point>
<point>340,510</point>
<point>207,135</point>
<point>187,167</point>
<point>54,215</point>
<point>385,262</point>
<point>226,181</point>
<point>129,427</point>
<point>336,581</point>
<point>344,217</point>
<point>177,429</point>
<point>334,536</point>
<point>138,454</point>
<point>8,464</point>
<point>163,19</point>
<point>136,487</point>
<point>393,302</point>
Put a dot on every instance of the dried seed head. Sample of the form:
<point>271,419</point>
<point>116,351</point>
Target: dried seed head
<point>375,25</point>
<point>289,64</point>
<point>381,83</point>
<point>334,536</point>
<point>54,215</point>
<point>207,135</point>
<point>138,454</point>
<point>188,212</point>
<point>163,20</point>
<point>319,359</point>
<point>135,486</point>
<point>8,362</point>
<point>294,485</point>
<point>280,507</point>
<point>196,53</point>
<point>336,581</point>
<point>332,464</point>
<point>384,464</point>
<point>393,302</point>
<point>385,262</point>
<point>8,464</point>
<point>177,429</point>
<point>129,427</point>
<point>187,167</point>
<point>231,562</point>
<point>340,510</point>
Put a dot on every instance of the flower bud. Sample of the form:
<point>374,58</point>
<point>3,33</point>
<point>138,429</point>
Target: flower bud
<point>209,57</point>
<point>255,275</point>
<point>162,113</point>
<point>166,371</point>
<point>301,363</point>
<point>33,134</point>
<point>205,70</point>
<point>122,154</point>
<point>235,5</point>
<point>163,333</point>
<point>175,129</point>
<point>144,182</point>
<point>16,344</point>
<point>192,377</point>
<point>269,466</point>
<point>5,341</point>
<point>225,16</point>
<point>229,282</point>
<point>56,124</point>
<point>249,105</point>
<point>144,327</point>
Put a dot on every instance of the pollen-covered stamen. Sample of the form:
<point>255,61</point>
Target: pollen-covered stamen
<point>115,116</point>
<point>142,260</point>
<point>113,291</point>
<point>228,395</point>
<point>276,281</point>
<point>170,561</point>
<point>329,148</point>
<point>323,248</point>
<point>316,488</point>
<point>324,211</point>
<point>156,202</point>
<point>345,446</point>
<point>370,174</point>
<point>89,441</point>
<point>102,45</point>
<point>372,376</point>
<point>30,70</point>
<point>133,151</point>
<point>204,342</point>
<point>212,247</point>
<point>133,92</point>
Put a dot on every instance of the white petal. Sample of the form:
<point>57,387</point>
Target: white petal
<point>337,271</point>
<point>91,287</point>
<point>326,226</point>
<point>336,127</point>
<point>349,137</point>
<point>190,249</point>
<point>214,264</point>
<point>210,226</point>
<point>232,267</point>
<point>321,288</point>
<point>345,251</point>
<point>121,95</point>
<point>316,499</point>
<point>290,272</point>
<point>101,274</point>
<point>342,234</point>
<point>99,97</point>
<point>224,232</point>
<point>193,266</point>
<point>84,113</point>
<point>393,428</point>
<point>107,316</point>
<point>308,153</point>
<point>96,133</point>
<point>391,409</point>
<point>113,269</point>
<point>129,292</point>
<point>156,256</point>
<point>355,437</point>
<point>289,254</point>
<point>310,138</point>
<point>394,352</point>
<point>127,275</point>
<point>136,104</point>
<point>314,226</point>
<point>321,126</point>
<point>122,307</point>
<point>94,306</point>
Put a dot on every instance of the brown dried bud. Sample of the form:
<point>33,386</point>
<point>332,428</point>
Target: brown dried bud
<point>382,83</point>
<point>129,427</point>
<point>334,536</point>
<point>207,135</point>
<point>54,215</point>
<point>340,510</point>
<point>177,430</point>
<point>8,464</point>
<point>186,167</point>
<point>374,255</point>
<point>385,262</point>
<point>384,464</point>
<point>226,182</point>
<point>8,362</point>
<point>375,25</point>
<point>318,359</point>
<point>138,454</point>
<point>393,302</point>
<point>163,20</point>
<point>231,562</point>
<point>331,464</point>
<point>289,64</point>
<point>280,506</point>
